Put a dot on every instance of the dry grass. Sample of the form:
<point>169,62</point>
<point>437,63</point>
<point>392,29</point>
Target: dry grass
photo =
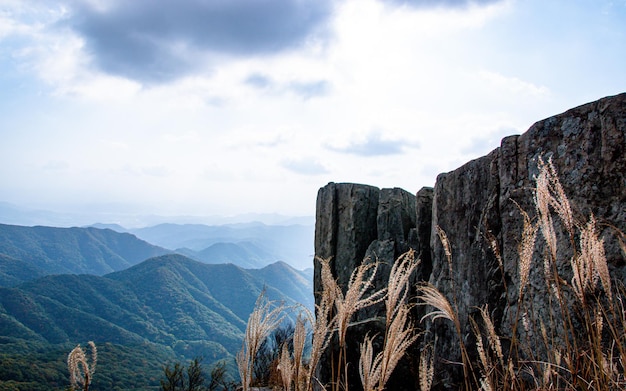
<point>577,341</point>
<point>285,366</point>
<point>426,368</point>
<point>334,314</point>
<point>369,364</point>
<point>81,371</point>
<point>525,250</point>
<point>430,295</point>
<point>346,305</point>
<point>265,317</point>
<point>399,331</point>
<point>292,367</point>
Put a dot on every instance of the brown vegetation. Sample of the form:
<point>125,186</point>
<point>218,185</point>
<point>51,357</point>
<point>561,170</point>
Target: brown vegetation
<point>579,344</point>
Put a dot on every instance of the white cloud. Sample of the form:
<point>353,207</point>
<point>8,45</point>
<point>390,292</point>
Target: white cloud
<point>305,166</point>
<point>513,84</point>
<point>56,165</point>
<point>156,171</point>
<point>375,143</point>
<point>114,144</point>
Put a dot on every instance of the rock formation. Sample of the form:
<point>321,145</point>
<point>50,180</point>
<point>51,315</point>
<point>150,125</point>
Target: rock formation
<point>478,207</point>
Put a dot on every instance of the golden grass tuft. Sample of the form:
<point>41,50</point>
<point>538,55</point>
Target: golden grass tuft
<point>285,366</point>
<point>265,317</point>
<point>526,249</point>
<point>431,296</point>
<point>369,365</point>
<point>399,333</point>
<point>426,368</point>
<point>81,371</point>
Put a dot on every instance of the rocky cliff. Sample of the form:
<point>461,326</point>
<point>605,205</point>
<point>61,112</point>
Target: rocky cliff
<point>478,206</point>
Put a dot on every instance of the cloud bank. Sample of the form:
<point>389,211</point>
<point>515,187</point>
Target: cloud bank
<point>375,144</point>
<point>156,42</point>
<point>440,3</point>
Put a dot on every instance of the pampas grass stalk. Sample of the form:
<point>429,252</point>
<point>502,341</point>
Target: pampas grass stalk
<point>426,368</point>
<point>369,364</point>
<point>399,333</point>
<point>81,371</point>
<point>322,323</point>
<point>355,297</point>
<point>399,337</point>
<point>264,318</point>
<point>431,296</point>
<point>293,369</point>
<point>346,305</point>
<point>285,366</point>
<point>299,340</point>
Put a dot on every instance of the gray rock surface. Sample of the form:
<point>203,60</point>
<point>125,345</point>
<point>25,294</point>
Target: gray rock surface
<point>465,207</point>
<point>474,204</point>
<point>345,226</point>
<point>356,224</point>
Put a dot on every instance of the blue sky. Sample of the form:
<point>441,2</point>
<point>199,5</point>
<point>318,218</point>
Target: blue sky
<point>226,107</point>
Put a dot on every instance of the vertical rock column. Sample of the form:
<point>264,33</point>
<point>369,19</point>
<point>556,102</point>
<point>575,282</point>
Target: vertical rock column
<point>419,237</point>
<point>465,207</point>
<point>395,220</point>
<point>345,225</point>
<point>356,224</point>
<point>587,146</point>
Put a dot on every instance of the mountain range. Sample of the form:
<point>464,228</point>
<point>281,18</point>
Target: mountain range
<point>63,286</point>
<point>256,243</point>
<point>51,250</point>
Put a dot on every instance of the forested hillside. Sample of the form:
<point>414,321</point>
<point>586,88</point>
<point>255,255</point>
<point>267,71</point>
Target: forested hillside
<point>170,306</point>
<point>30,252</point>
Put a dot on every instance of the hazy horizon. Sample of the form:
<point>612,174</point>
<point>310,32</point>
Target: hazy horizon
<point>13,214</point>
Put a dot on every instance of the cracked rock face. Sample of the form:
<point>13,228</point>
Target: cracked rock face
<point>356,224</point>
<point>477,206</point>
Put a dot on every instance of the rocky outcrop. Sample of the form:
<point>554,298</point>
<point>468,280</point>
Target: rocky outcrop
<point>478,207</point>
<point>345,226</point>
<point>360,223</point>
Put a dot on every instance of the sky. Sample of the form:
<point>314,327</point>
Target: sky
<point>227,107</point>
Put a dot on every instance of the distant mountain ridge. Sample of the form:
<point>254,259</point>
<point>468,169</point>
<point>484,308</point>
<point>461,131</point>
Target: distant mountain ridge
<point>248,255</point>
<point>51,250</point>
<point>264,243</point>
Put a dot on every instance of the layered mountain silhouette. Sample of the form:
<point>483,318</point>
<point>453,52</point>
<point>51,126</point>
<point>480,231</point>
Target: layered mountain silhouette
<point>51,250</point>
<point>247,245</point>
<point>164,300</point>
<point>63,286</point>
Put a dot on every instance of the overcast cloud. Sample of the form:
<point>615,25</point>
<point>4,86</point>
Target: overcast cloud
<point>159,41</point>
<point>225,107</point>
<point>305,166</point>
<point>375,144</point>
<point>441,3</point>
